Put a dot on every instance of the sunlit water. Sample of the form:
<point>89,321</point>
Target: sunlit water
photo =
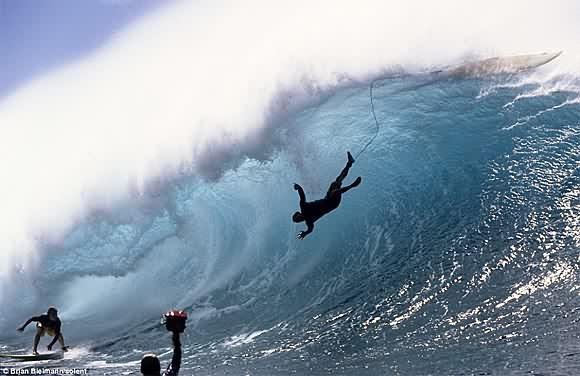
<point>458,254</point>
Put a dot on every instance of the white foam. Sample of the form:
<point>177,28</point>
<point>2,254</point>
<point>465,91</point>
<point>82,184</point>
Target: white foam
<point>192,86</point>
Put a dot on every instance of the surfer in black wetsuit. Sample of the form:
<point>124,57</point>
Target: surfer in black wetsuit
<point>46,324</point>
<point>310,212</point>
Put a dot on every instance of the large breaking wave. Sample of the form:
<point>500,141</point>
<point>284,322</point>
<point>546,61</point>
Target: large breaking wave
<point>158,172</point>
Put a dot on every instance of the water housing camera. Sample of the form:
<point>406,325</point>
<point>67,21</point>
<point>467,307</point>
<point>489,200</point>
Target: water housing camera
<point>175,320</point>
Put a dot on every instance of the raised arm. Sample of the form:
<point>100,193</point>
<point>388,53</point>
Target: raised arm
<point>302,234</point>
<point>173,368</point>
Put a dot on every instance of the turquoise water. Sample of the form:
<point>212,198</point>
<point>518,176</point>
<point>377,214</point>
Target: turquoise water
<point>458,254</point>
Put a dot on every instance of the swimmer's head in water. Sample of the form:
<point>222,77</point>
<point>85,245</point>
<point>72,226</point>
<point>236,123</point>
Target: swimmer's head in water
<point>298,217</point>
<point>150,365</point>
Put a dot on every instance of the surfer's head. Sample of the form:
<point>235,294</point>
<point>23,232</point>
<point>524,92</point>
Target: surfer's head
<point>52,312</point>
<point>150,365</point>
<point>298,217</point>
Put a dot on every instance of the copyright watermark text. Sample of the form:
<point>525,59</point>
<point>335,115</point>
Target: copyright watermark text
<point>43,371</point>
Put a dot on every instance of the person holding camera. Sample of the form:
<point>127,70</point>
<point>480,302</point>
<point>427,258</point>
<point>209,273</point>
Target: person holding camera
<point>175,323</point>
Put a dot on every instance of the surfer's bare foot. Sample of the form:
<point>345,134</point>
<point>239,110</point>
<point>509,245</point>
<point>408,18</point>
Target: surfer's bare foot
<point>350,158</point>
<point>35,353</point>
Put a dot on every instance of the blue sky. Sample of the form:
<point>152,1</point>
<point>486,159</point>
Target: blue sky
<point>39,35</point>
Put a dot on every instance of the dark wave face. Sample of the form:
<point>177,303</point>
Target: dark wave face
<point>458,253</point>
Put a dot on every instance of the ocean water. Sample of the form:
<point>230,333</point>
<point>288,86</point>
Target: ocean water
<point>457,255</point>
<point>148,164</point>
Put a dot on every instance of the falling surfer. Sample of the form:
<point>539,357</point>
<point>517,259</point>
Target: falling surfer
<point>312,211</point>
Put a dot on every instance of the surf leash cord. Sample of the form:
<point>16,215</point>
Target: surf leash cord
<point>370,141</point>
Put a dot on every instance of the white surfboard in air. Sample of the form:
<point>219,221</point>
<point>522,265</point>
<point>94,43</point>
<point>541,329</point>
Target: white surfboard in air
<point>502,65</point>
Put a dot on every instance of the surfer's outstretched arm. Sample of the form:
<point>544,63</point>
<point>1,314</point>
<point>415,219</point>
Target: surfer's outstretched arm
<point>302,234</point>
<point>21,329</point>
<point>300,193</point>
